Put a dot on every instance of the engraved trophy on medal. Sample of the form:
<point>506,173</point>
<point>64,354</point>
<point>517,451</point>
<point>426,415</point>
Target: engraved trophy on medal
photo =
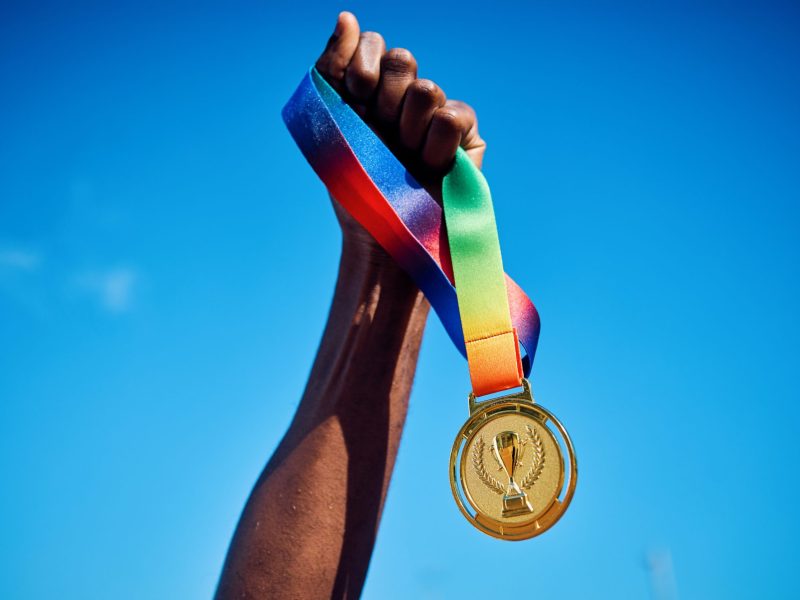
<point>506,449</point>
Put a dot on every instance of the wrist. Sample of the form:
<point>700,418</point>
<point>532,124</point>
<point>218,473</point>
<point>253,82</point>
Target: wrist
<point>366,267</point>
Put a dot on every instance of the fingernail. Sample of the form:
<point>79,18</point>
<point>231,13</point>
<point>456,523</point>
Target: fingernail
<point>338,29</point>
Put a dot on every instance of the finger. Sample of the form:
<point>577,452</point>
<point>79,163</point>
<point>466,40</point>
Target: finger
<point>364,71</point>
<point>449,127</point>
<point>422,99</point>
<point>340,49</point>
<point>474,144</point>
<point>398,70</point>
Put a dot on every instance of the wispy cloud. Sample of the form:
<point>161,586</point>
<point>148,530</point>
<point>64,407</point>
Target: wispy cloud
<point>113,288</point>
<point>40,285</point>
<point>19,259</point>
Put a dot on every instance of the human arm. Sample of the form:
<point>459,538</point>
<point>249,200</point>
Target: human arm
<point>310,523</point>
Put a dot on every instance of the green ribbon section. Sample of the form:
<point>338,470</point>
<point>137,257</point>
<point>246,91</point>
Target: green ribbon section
<point>475,251</point>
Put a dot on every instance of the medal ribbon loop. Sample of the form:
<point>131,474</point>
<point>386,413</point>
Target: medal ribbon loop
<point>486,314</point>
<point>490,339</point>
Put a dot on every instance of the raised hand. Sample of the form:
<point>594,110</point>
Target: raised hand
<point>415,118</point>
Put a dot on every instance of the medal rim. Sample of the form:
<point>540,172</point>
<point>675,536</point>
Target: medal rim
<point>545,519</point>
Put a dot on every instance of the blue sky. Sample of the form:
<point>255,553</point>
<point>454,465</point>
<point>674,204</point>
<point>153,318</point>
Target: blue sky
<point>167,257</point>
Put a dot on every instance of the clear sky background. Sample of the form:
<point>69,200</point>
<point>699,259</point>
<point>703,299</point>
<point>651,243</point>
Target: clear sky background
<point>167,259</point>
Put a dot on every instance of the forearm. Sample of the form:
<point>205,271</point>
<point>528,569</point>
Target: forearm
<point>310,523</point>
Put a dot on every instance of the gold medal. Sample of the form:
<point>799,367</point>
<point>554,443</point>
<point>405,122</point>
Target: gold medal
<point>512,468</point>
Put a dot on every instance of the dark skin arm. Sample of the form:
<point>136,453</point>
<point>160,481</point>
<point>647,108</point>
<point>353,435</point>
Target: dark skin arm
<point>310,523</point>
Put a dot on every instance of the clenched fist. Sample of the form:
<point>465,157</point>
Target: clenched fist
<point>413,116</point>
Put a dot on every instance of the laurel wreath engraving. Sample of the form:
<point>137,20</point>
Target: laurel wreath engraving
<point>537,465</point>
<point>538,459</point>
<point>480,468</point>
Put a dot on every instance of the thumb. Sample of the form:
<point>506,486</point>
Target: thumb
<point>340,50</point>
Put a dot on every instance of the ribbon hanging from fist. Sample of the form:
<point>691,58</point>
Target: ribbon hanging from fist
<point>458,268</point>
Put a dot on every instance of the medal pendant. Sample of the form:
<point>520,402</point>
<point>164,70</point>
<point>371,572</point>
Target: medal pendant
<point>512,468</point>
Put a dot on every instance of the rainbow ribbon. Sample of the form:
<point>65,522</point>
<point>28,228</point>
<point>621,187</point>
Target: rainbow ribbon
<point>490,339</point>
<point>495,316</point>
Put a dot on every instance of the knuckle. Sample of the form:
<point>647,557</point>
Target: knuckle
<point>463,116</point>
<point>399,60</point>
<point>464,110</point>
<point>448,119</point>
<point>371,38</point>
<point>425,89</point>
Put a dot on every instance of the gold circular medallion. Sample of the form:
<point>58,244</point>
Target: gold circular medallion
<point>512,468</point>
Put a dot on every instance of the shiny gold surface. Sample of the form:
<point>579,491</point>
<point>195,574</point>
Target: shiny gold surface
<point>512,468</point>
